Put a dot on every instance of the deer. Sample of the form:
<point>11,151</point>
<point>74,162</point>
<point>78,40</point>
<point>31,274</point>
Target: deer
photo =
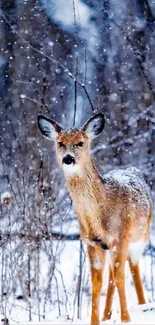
<point>114,212</point>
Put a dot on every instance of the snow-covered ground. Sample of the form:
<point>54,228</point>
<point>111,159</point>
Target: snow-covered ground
<point>68,267</point>
<point>139,315</point>
<point>144,314</point>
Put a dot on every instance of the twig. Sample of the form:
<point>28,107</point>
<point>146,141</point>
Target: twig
<point>76,72</point>
<point>79,282</point>
<point>150,16</point>
<point>9,182</point>
<point>139,59</point>
<point>48,57</point>
<point>40,98</point>
<point>38,237</point>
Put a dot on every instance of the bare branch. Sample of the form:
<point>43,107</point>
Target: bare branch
<point>51,58</point>
<point>38,237</point>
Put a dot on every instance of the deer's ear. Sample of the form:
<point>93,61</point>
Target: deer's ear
<point>94,126</point>
<point>49,128</point>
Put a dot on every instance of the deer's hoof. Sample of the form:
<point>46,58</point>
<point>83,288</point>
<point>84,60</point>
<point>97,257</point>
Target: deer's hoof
<point>106,316</point>
<point>125,318</point>
<point>95,321</point>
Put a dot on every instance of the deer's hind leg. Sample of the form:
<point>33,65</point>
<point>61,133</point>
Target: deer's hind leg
<point>97,261</point>
<point>109,297</point>
<point>134,268</point>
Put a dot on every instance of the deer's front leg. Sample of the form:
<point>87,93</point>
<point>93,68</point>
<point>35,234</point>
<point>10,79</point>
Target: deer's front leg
<point>119,260</point>
<point>109,297</point>
<point>97,260</point>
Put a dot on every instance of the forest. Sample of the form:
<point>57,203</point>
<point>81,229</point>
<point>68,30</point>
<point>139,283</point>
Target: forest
<point>68,59</point>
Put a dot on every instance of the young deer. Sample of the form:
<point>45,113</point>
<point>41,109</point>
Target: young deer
<point>114,211</point>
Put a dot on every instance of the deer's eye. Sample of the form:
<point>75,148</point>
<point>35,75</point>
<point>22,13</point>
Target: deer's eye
<point>80,144</point>
<point>61,144</point>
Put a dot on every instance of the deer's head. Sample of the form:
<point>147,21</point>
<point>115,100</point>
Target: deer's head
<point>72,145</point>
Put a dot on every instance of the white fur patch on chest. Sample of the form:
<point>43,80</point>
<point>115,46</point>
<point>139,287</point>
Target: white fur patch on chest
<point>136,250</point>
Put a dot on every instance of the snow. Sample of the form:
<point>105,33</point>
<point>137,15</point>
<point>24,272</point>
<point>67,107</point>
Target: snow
<point>6,197</point>
<point>131,181</point>
<point>142,314</point>
<point>124,177</point>
<point>68,267</point>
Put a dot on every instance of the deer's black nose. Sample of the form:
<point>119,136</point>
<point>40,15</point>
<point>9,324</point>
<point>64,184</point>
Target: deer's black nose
<point>68,159</point>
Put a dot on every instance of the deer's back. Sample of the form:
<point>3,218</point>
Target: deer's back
<point>128,198</point>
<point>130,183</point>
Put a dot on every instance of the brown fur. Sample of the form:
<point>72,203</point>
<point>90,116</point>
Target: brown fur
<point>111,214</point>
<point>114,212</point>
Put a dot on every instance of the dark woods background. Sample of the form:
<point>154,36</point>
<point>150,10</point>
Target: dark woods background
<point>66,59</point>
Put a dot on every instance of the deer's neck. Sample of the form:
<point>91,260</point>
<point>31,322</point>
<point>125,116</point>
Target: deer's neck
<point>87,192</point>
<point>88,180</point>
